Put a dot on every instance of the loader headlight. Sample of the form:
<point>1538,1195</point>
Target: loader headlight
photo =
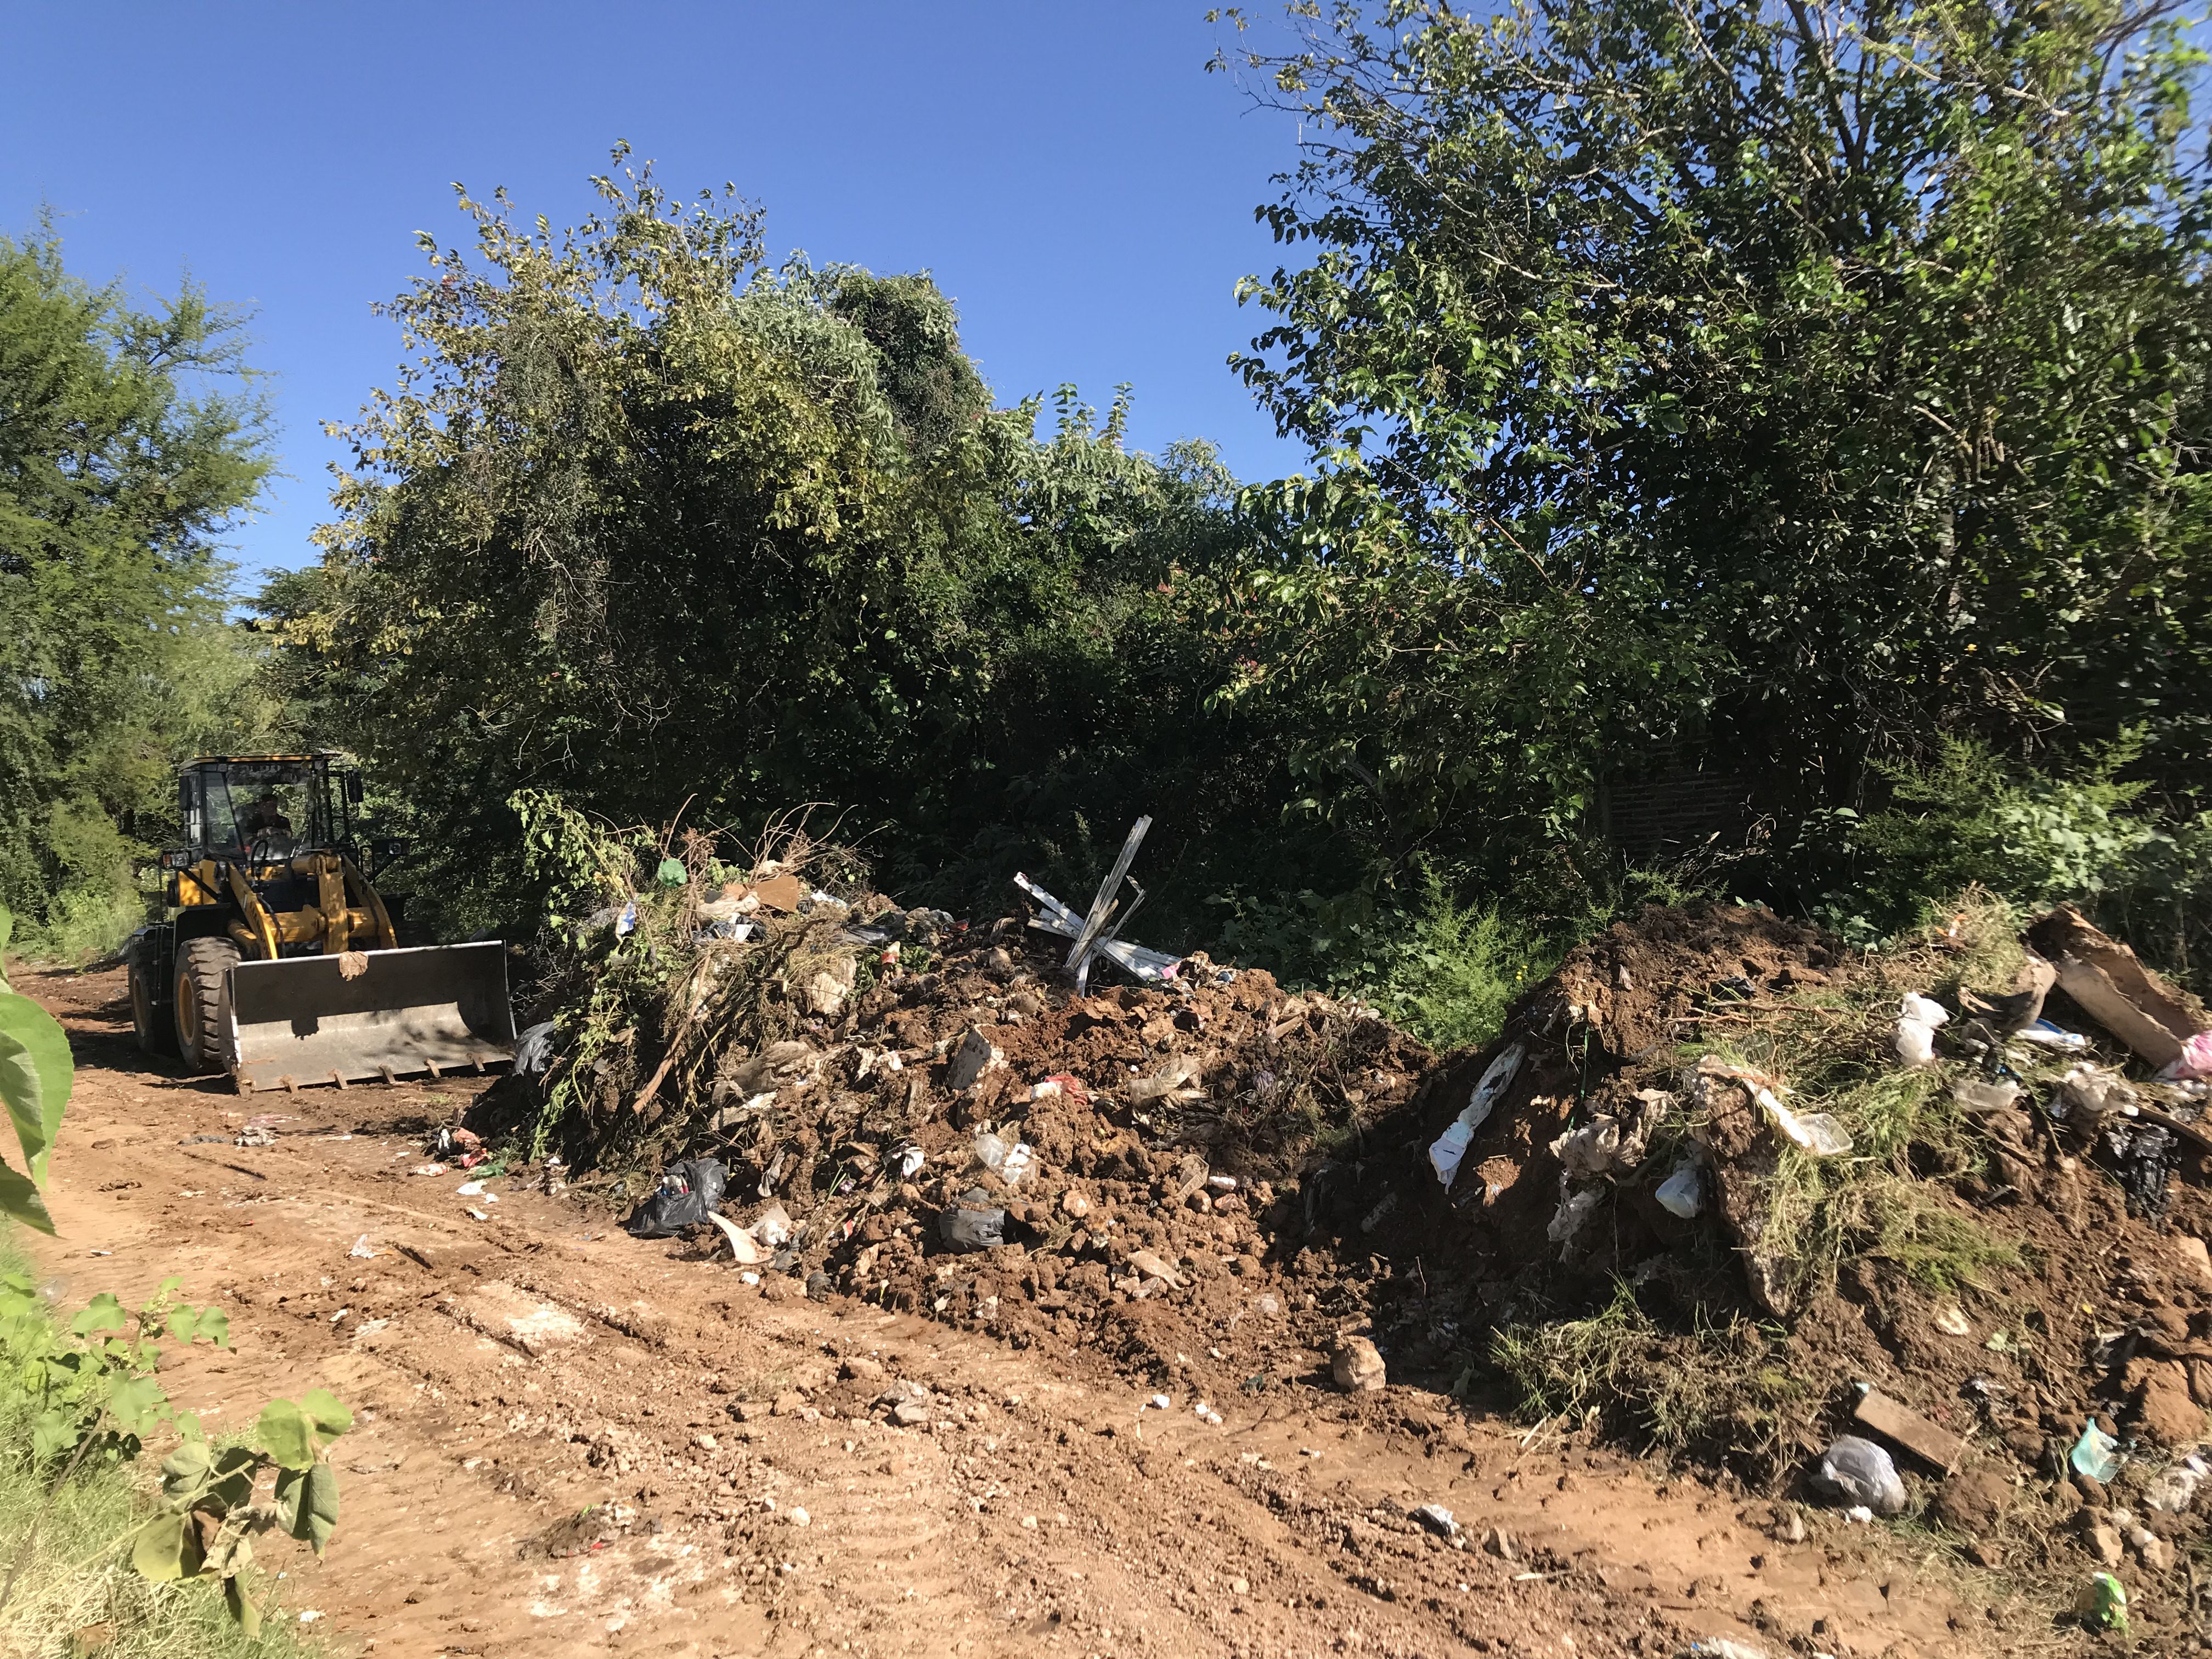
<point>177,858</point>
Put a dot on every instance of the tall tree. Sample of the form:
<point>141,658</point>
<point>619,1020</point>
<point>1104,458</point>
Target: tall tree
<point>1794,383</point>
<point>650,520</point>
<point>129,440</point>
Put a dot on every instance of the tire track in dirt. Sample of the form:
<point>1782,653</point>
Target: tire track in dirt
<point>572,1442</point>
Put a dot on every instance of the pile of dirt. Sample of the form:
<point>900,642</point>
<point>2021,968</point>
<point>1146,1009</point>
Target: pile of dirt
<point>1137,1155</point>
<point>1221,1184</point>
<point>2009,1265</point>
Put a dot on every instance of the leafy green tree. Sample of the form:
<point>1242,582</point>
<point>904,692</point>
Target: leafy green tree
<point>648,520</point>
<point>129,441</point>
<point>1793,384</point>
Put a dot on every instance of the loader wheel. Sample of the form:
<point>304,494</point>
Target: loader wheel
<point>204,1003</point>
<point>157,1036</point>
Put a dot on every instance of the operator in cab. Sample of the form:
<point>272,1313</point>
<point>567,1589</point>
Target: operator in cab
<point>264,823</point>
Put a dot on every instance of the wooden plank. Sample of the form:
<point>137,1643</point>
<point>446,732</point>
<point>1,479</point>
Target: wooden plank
<point>1937,1447</point>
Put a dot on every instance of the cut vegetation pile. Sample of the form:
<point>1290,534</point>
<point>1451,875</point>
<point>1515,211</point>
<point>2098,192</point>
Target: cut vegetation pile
<point>1216,1181</point>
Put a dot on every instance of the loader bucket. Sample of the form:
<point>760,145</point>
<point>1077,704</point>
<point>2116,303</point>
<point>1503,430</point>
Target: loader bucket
<point>300,1020</point>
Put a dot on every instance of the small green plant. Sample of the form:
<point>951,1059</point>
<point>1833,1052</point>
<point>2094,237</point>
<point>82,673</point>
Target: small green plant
<point>36,1075</point>
<point>93,1397</point>
<point>208,1518</point>
<point>92,1389</point>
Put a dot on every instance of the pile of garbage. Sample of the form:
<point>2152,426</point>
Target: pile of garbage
<point>1923,1228</point>
<point>1920,1229</point>
<point>840,1095</point>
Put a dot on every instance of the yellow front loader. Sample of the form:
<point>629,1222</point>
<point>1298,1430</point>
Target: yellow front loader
<point>277,960</point>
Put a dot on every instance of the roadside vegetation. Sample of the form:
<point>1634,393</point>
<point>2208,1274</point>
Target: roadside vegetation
<point>67,1526</point>
<point>94,1555</point>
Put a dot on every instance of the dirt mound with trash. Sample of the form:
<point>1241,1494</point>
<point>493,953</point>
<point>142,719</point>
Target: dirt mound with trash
<point>1912,1229</point>
<point>979,1144</point>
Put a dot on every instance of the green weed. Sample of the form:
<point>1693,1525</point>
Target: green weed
<point>70,1591</point>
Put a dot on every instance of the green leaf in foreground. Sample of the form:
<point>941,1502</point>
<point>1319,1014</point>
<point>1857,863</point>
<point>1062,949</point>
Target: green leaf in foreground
<point>36,1074</point>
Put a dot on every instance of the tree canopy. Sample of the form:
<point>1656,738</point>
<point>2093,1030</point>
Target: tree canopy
<point>129,441</point>
<point>1791,386</point>
<point>648,520</point>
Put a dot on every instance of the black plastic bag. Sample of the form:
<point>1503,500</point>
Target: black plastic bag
<point>689,1192</point>
<point>974,1224</point>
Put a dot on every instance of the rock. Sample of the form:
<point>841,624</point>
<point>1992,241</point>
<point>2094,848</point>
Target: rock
<point>2104,1542</point>
<point>1072,1202</point>
<point>1788,1527</point>
<point>799,1518</point>
<point>817,1286</point>
<point>1974,1500</point>
<point>1153,1267</point>
<point>2165,1412</point>
<point>2195,1259</point>
<point>910,1413</point>
<point>1357,1366</point>
<point>2153,1552</point>
<point>789,1403</point>
<point>1499,1542</point>
<point>861,1371</point>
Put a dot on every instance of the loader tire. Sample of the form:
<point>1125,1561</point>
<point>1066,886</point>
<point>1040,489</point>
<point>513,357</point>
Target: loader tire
<point>204,1003</point>
<point>157,1034</point>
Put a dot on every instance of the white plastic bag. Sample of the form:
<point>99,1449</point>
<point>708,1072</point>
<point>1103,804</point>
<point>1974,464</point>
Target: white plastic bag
<point>1917,1020</point>
<point>1447,1150</point>
<point>1682,1194</point>
<point>1861,1472</point>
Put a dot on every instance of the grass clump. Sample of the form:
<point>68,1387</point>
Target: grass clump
<point>1889,1199</point>
<point>1721,1388</point>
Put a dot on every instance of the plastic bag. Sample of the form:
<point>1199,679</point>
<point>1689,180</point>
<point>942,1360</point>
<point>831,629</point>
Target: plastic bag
<point>2173,1488</point>
<point>1860,1472</point>
<point>1816,1133</point>
<point>1451,1145</point>
<point>2102,1604</point>
<point>689,1193</point>
<point>2196,1060</point>
<point>1009,1160</point>
<point>1573,1211</point>
<point>2096,1454</point>
<point>1682,1194</point>
<point>1917,1020</point>
<point>981,1227</point>
<point>533,1049</point>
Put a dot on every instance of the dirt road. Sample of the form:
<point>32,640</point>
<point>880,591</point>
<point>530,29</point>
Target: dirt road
<point>572,1442</point>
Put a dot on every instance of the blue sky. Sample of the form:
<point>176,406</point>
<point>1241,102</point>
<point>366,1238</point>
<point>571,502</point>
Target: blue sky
<point>1070,172</point>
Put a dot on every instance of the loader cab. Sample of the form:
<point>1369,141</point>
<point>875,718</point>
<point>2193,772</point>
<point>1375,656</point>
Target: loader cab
<point>264,808</point>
